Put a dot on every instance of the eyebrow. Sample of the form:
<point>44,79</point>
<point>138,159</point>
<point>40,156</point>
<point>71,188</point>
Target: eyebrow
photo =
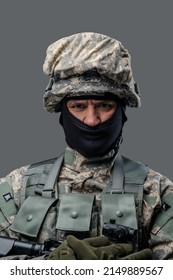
<point>93,100</point>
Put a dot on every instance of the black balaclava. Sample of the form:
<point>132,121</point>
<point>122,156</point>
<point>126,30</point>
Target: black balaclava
<point>93,141</point>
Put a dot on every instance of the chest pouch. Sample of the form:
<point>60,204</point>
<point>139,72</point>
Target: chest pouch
<point>31,215</point>
<point>119,217</point>
<point>121,208</point>
<point>75,212</point>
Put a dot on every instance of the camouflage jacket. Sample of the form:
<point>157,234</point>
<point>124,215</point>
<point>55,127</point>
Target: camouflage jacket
<point>79,175</point>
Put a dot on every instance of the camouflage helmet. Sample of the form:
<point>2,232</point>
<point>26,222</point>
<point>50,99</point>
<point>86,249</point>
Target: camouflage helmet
<point>87,64</point>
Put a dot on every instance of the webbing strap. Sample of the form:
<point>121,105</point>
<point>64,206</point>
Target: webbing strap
<point>116,183</point>
<point>23,190</point>
<point>48,189</point>
<point>118,176</point>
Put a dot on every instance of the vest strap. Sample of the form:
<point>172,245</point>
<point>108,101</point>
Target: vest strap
<point>45,182</point>
<point>48,189</point>
<point>116,183</point>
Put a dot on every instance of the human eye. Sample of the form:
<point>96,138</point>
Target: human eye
<point>105,105</point>
<point>77,106</point>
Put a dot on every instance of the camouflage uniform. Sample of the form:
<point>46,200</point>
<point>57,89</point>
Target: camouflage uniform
<point>66,62</point>
<point>80,175</point>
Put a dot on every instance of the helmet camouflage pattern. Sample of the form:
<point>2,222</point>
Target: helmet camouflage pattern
<point>87,64</point>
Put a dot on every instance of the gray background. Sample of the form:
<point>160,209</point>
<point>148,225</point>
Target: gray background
<point>27,133</point>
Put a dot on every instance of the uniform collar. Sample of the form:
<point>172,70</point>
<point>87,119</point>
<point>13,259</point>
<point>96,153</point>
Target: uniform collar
<point>75,161</point>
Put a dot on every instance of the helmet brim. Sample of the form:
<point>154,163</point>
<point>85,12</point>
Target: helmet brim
<point>93,86</point>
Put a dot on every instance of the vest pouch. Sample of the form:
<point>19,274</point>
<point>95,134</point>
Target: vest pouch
<point>121,208</point>
<point>75,212</point>
<point>30,217</point>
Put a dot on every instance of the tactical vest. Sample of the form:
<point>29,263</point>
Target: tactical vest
<point>121,200</point>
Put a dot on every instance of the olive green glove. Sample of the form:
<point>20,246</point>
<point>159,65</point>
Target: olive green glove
<point>97,248</point>
<point>62,252</point>
<point>145,254</point>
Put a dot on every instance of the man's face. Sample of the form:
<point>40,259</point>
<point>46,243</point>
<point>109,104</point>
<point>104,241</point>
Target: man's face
<point>92,112</point>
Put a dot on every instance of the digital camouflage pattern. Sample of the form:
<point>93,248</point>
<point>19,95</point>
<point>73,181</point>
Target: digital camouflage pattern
<point>68,59</point>
<point>79,175</point>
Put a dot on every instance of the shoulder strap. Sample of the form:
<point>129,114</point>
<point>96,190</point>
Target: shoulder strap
<point>127,175</point>
<point>48,189</point>
<point>42,176</point>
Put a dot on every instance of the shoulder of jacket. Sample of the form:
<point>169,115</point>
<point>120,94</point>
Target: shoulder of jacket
<point>156,182</point>
<point>14,181</point>
<point>15,178</point>
<point>135,169</point>
<point>40,166</point>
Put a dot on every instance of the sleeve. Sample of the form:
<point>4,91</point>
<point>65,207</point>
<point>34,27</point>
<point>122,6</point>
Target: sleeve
<point>160,208</point>
<point>10,190</point>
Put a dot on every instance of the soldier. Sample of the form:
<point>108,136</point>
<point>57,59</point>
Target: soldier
<point>96,203</point>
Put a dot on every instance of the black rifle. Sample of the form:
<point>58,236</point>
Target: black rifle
<point>120,234</point>
<point>11,246</point>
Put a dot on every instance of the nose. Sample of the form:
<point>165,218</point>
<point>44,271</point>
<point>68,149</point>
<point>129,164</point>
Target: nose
<point>91,117</point>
